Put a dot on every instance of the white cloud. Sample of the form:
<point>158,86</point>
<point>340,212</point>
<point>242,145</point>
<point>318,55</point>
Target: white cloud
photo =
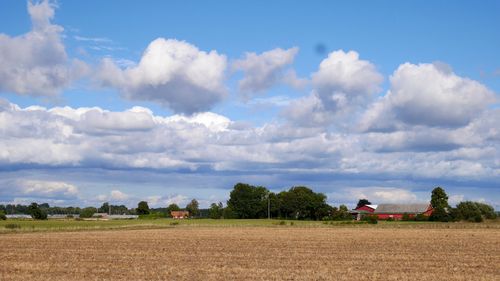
<point>262,71</point>
<point>343,85</point>
<point>38,189</point>
<point>117,195</point>
<point>344,80</point>
<point>173,73</point>
<point>36,63</point>
<point>429,95</point>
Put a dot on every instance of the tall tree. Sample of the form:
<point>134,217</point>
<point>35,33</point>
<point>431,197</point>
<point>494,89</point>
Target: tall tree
<point>248,202</point>
<point>36,212</point>
<point>363,202</point>
<point>104,208</point>
<point>439,202</point>
<point>142,208</point>
<point>216,211</point>
<point>193,208</point>
<point>301,202</point>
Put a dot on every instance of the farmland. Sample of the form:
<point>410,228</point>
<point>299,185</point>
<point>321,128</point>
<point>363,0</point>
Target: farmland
<point>254,250</point>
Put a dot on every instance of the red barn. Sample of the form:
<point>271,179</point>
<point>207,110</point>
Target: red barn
<point>368,208</point>
<point>396,211</point>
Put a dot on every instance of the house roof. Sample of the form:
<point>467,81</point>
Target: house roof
<point>401,208</point>
<point>372,206</point>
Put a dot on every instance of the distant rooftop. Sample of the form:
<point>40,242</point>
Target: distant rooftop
<point>402,208</point>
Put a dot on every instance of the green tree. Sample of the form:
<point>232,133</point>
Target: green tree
<point>36,212</point>
<point>87,212</point>
<point>363,202</point>
<point>2,215</point>
<point>193,208</point>
<point>439,202</point>
<point>301,202</point>
<point>248,202</point>
<point>104,208</point>
<point>142,208</point>
<point>469,211</point>
<point>216,211</point>
<point>172,207</point>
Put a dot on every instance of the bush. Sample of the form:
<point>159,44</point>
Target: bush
<point>372,219</point>
<point>88,212</point>
<point>282,223</point>
<point>472,211</point>
<point>421,217</point>
<point>389,219</point>
<point>12,226</point>
<point>153,216</point>
<point>2,216</point>
<point>174,223</point>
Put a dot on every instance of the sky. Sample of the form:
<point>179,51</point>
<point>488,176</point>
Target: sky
<point>165,101</point>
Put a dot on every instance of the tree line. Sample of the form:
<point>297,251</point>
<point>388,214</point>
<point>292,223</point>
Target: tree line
<point>255,202</point>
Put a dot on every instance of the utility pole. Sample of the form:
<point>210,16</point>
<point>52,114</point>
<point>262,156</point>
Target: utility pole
<point>268,207</point>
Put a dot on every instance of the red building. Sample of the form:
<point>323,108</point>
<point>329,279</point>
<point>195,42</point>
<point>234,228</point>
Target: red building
<point>367,208</point>
<point>396,211</point>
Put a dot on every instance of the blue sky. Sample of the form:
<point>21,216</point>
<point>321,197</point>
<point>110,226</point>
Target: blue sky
<point>172,100</point>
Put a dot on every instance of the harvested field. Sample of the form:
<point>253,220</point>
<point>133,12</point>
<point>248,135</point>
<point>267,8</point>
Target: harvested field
<point>253,253</point>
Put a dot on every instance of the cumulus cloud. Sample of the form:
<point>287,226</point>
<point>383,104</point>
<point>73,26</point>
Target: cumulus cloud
<point>38,189</point>
<point>262,71</point>
<point>209,143</point>
<point>172,73</point>
<point>343,84</point>
<point>428,95</point>
<point>36,63</point>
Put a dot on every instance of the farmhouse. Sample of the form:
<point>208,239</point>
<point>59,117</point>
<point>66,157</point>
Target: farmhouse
<point>396,211</point>
<point>179,214</point>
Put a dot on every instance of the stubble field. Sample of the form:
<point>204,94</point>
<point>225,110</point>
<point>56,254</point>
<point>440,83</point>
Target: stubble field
<point>253,253</point>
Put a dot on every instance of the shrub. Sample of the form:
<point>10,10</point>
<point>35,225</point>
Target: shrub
<point>2,216</point>
<point>282,223</point>
<point>389,219</point>
<point>174,223</point>
<point>12,226</point>
<point>421,217</point>
<point>407,217</point>
<point>372,219</point>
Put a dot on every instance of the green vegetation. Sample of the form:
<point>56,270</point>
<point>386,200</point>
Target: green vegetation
<point>36,212</point>
<point>142,208</point>
<point>363,202</point>
<point>439,201</point>
<point>88,212</point>
<point>2,216</point>
<point>193,208</point>
<point>172,207</point>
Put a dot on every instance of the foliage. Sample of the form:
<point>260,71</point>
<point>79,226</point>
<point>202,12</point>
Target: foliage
<point>421,217</point>
<point>439,202</point>
<point>153,216</point>
<point>193,208</point>
<point>301,202</point>
<point>104,208</point>
<point>363,202</point>
<point>248,202</point>
<point>142,208</point>
<point>372,219</point>
<point>172,207</point>
<point>36,212</point>
<point>216,211</point>
<point>2,216</point>
<point>87,212</point>
<point>474,211</point>
<point>406,217</point>
<point>227,213</point>
<point>12,226</point>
